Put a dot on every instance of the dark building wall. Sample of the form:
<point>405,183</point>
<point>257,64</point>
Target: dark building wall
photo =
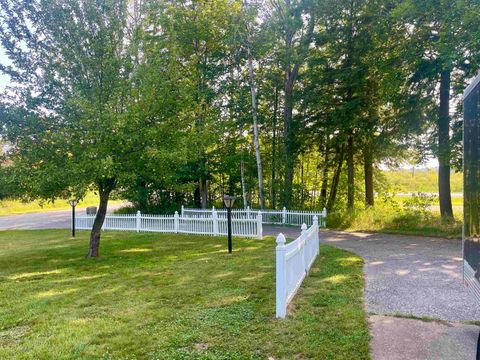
<point>471,207</point>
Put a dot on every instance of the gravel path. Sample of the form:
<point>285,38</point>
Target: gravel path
<point>411,276</point>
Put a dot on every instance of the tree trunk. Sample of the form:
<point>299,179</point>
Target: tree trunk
<point>368,167</point>
<point>196,197</point>
<point>203,192</point>
<point>315,188</point>
<point>258,155</point>
<point>292,66</point>
<point>104,190</point>
<point>274,149</point>
<point>289,146</point>
<point>250,187</point>
<point>223,186</point>
<point>351,174</point>
<point>335,180</point>
<point>444,194</point>
<point>302,181</point>
<point>143,200</point>
<point>242,176</point>
<point>323,190</point>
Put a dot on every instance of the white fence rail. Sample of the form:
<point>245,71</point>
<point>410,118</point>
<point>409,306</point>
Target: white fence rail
<point>275,217</point>
<point>293,261</point>
<point>213,225</point>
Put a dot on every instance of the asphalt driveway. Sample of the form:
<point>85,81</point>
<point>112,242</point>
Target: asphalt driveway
<point>59,219</point>
<point>411,277</point>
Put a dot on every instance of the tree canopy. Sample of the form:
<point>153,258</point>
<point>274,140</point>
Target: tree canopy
<point>285,103</point>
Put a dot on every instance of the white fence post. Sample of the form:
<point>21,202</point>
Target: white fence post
<point>304,243</point>
<point>281,278</point>
<point>215,222</point>
<point>284,215</point>
<point>176,222</point>
<point>324,217</point>
<point>317,238</point>
<point>248,212</point>
<point>182,210</point>
<point>137,222</point>
<point>259,226</point>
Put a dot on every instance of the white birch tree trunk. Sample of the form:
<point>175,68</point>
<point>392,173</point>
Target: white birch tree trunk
<point>258,156</point>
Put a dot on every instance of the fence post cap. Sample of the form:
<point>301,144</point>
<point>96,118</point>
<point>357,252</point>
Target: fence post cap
<point>284,208</point>
<point>304,227</point>
<point>176,212</point>
<point>138,212</point>
<point>281,239</point>
<point>213,208</point>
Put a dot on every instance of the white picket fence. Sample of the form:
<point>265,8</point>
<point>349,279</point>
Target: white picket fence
<point>214,225</point>
<point>274,217</point>
<point>293,261</point>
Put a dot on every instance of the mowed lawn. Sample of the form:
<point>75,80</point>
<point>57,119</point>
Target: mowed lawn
<point>155,296</point>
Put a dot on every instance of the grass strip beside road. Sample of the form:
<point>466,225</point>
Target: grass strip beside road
<point>14,207</point>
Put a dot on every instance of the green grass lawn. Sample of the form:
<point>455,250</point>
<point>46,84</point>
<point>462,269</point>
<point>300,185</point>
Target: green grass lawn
<point>10,207</point>
<point>171,297</point>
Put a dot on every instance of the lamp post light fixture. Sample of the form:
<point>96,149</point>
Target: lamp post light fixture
<point>228,201</point>
<point>73,203</point>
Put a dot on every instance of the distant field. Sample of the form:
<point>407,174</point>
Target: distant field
<point>420,180</point>
<point>456,200</point>
<point>10,207</point>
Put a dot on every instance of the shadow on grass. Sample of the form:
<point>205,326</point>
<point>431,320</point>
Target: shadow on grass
<point>172,296</point>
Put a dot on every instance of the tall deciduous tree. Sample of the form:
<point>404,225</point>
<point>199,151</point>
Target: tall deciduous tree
<point>442,50</point>
<point>296,23</point>
<point>74,126</point>
<point>253,92</point>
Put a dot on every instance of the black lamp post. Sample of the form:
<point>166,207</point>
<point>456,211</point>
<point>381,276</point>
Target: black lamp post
<point>229,200</point>
<point>73,203</point>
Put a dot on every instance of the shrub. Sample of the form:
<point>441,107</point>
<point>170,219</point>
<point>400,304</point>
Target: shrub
<point>420,203</point>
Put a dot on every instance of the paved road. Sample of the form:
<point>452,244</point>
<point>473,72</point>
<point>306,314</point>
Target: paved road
<point>413,277</point>
<point>43,220</point>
